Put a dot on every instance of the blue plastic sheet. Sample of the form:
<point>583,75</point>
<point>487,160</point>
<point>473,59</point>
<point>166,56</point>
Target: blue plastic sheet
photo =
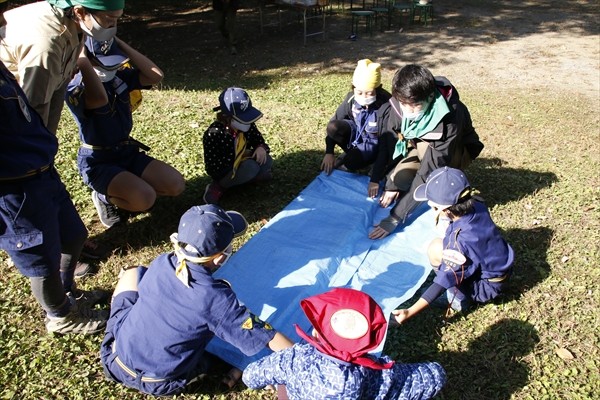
<point>320,241</point>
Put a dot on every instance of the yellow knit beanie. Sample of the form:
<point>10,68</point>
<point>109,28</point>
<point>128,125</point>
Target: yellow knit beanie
<point>367,75</point>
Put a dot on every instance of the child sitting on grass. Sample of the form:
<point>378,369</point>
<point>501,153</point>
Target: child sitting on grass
<point>335,363</point>
<point>473,261</point>
<point>163,318</point>
<point>354,125</point>
<point>235,151</point>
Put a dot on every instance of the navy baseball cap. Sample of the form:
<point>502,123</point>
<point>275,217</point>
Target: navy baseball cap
<point>236,103</point>
<point>445,187</point>
<point>209,229</point>
<point>106,54</point>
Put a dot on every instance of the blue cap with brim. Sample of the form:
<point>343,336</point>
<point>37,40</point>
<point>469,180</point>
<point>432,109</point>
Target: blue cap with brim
<point>101,5</point>
<point>106,54</point>
<point>445,187</point>
<point>236,103</point>
<point>210,229</point>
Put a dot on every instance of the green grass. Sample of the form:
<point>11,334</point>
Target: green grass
<point>539,174</point>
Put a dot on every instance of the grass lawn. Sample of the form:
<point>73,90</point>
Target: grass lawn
<point>539,174</point>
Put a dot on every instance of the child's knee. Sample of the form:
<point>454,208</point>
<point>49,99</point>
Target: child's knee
<point>403,179</point>
<point>176,185</point>
<point>434,252</point>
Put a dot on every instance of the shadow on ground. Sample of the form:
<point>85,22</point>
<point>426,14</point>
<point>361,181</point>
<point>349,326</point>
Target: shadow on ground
<point>501,185</point>
<point>180,36</point>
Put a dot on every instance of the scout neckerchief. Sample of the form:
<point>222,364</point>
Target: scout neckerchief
<point>360,122</point>
<point>413,130</point>
<point>239,144</point>
<point>135,96</point>
<point>182,272</point>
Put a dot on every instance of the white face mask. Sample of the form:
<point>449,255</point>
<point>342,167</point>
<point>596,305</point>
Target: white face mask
<point>365,101</point>
<point>239,126</point>
<point>415,116</point>
<point>227,253</point>
<point>97,32</point>
<point>2,32</point>
<point>104,75</point>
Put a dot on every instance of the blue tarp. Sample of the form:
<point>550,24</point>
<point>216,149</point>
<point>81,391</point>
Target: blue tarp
<point>320,241</point>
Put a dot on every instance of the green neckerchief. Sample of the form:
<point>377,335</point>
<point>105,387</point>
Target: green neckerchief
<point>412,130</point>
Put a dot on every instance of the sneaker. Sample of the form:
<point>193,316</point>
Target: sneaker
<point>213,193</point>
<point>89,298</point>
<point>106,212</point>
<point>83,269</point>
<point>95,250</point>
<point>79,320</point>
<point>233,50</point>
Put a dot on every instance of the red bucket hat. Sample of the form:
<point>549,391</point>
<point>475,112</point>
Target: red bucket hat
<point>349,323</point>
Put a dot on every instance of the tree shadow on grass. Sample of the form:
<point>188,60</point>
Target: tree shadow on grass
<point>181,37</point>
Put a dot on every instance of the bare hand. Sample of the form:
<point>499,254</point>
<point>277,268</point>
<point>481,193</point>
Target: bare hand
<point>373,189</point>
<point>378,233</point>
<point>260,155</point>
<point>328,163</point>
<point>388,197</point>
<point>400,316</point>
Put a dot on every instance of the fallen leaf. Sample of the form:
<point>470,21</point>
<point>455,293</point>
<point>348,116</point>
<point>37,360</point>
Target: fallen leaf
<point>564,354</point>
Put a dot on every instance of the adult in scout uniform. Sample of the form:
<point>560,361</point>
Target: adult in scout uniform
<point>160,324</point>
<point>42,44</point>
<point>424,126</point>
<point>39,225</point>
<point>472,261</point>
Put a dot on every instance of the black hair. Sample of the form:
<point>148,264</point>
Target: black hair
<point>413,84</point>
<point>223,118</point>
<point>70,12</point>
<point>463,207</point>
<point>3,6</point>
